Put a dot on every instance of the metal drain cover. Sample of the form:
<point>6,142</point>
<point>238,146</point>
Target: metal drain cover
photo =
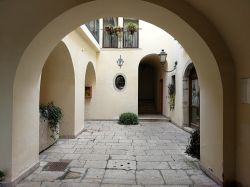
<point>121,164</point>
<point>55,166</point>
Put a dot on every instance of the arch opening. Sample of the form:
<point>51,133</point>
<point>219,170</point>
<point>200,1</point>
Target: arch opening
<point>191,97</point>
<point>58,86</point>
<point>203,57</point>
<point>90,89</point>
<point>150,85</point>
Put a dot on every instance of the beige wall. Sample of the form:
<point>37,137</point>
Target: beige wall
<point>58,86</point>
<point>107,68</point>
<point>183,60</point>
<point>210,35</point>
<point>82,53</point>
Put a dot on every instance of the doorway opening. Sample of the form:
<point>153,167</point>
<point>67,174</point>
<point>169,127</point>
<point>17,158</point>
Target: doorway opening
<point>150,86</point>
<point>191,97</point>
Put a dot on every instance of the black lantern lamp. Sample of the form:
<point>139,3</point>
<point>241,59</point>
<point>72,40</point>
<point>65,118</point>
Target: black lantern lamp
<point>163,57</point>
<point>163,60</point>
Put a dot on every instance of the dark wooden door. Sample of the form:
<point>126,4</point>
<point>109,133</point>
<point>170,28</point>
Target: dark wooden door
<point>161,96</point>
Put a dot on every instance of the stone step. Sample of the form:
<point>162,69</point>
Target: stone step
<point>152,118</point>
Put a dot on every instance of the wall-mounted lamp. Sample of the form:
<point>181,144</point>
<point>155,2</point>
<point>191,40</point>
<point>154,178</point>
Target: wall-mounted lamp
<point>163,60</point>
<point>120,61</point>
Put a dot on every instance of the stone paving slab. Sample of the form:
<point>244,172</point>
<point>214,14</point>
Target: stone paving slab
<point>149,177</point>
<point>181,165</point>
<point>95,164</point>
<point>94,157</point>
<point>71,184</point>
<point>122,164</point>
<point>176,177</point>
<point>169,186</point>
<point>51,184</point>
<point>155,152</point>
<point>154,158</point>
<point>119,177</point>
<point>29,184</point>
<point>122,157</point>
<point>152,165</point>
<point>94,175</point>
<point>44,176</point>
<point>120,185</point>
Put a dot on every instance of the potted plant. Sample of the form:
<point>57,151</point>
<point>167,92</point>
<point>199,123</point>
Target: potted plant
<point>54,115</point>
<point>171,93</point>
<point>118,30</point>
<point>2,176</point>
<point>110,29</point>
<point>132,28</point>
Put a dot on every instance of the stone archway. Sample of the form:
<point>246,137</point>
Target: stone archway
<point>90,85</point>
<point>58,86</point>
<point>201,50</point>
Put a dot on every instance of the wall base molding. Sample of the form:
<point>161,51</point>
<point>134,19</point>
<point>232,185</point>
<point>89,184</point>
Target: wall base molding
<point>27,172</point>
<point>72,136</point>
<point>210,174</point>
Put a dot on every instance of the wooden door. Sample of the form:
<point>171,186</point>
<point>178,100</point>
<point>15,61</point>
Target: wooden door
<point>161,96</point>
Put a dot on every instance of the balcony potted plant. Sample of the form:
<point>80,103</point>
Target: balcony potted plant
<point>118,31</point>
<point>132,28</point>
<point>110,29</point>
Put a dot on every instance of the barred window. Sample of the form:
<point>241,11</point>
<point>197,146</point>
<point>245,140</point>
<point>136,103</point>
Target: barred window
<point>110,39</point>
<point>130,33</point>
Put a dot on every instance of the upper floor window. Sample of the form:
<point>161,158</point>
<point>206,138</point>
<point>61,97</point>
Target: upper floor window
<point>110,38</point>
<point>93,27</point>
<point>130,33</point>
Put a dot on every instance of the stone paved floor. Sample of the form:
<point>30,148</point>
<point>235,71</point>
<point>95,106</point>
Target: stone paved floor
<point>110,155</point>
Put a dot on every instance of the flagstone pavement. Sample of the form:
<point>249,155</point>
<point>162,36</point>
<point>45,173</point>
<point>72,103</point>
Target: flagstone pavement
<point>107,154</point>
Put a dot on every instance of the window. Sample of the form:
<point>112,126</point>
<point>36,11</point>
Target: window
<point>120,82</point>
<point>110,39</point>
<point>93,27</point>
<point>131,33</point>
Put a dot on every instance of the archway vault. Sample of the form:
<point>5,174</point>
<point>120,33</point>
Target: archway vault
<point>90,87</point>
<point>214,70</point>
<point>58,86</point>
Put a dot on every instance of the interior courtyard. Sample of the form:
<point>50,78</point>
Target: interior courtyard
<point>71,69</point>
